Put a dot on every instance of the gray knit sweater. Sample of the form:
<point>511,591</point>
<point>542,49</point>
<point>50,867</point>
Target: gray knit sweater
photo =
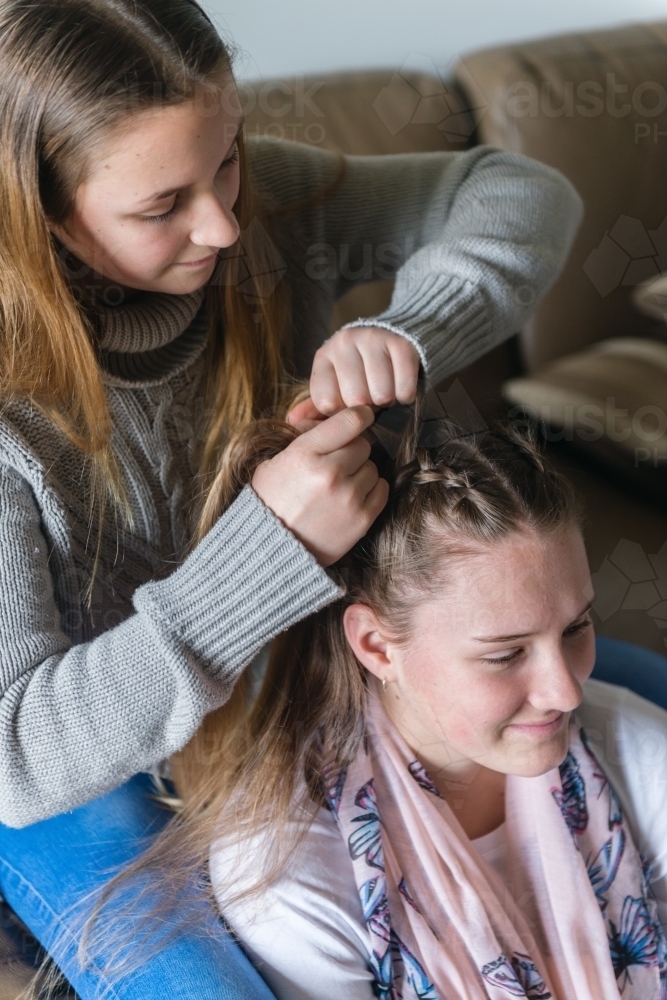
<point>475,238</point>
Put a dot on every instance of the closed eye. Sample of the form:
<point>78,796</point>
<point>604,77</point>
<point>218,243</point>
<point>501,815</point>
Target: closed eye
<point>230,161</point>
<point>571,632</point>
<point>507,658</point>
<point>578,629</point>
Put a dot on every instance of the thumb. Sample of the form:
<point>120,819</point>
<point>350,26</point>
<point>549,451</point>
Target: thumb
<point>305,410</point>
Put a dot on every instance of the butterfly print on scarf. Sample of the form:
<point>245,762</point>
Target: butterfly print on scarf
<point>406,894</point>
<point>518,977</point>
<point>604,867</point>
<point>571,798</point>
<point>635,942</point>
<point>375,904</point>
<point>333,788</point>
<point>421,777</point>
<point>366,840</point>
<point>414,973</point>
<point>615,811</point>
<point>652,904</point>
<point>598,773</point>
<point>383,975</point>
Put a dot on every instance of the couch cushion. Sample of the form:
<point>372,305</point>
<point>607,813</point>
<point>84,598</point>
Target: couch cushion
<point>609,401</point>
<point>593,105</point>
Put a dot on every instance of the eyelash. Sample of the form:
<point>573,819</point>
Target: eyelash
<point>172,211</point>
<point>571,633</point>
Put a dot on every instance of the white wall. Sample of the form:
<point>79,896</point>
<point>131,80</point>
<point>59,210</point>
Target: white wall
<point>315,36</point>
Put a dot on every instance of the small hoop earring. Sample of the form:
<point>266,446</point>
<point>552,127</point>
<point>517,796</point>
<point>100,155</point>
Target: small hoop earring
<point>384,683</point>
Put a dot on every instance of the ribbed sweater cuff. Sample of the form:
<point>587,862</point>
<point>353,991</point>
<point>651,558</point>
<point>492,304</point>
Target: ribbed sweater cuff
<point>246,581</point>
<point>447,320</point>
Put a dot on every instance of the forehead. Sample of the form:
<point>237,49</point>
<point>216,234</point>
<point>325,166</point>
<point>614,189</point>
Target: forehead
<point>520,584</point>
<point>163,147</point>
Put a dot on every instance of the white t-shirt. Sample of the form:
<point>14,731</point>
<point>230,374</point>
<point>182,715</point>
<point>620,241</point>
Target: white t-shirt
<point>306,933</point>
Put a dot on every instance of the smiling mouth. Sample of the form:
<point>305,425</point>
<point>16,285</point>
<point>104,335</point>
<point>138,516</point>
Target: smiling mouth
<point>540,728</point>
<point>197,263</point>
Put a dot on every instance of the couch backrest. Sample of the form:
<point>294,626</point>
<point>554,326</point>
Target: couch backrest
<point>594,105</point>
<point>361,113</point>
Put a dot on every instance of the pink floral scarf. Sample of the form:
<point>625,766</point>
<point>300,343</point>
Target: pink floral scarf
<point>578,923</point>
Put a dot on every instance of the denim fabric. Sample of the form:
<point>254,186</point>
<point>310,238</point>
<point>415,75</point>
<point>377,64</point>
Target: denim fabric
<point>47,868</point>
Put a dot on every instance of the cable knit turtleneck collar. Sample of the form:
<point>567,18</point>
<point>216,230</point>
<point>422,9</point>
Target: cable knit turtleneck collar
<point>146,322</point>
<point>151,337</point>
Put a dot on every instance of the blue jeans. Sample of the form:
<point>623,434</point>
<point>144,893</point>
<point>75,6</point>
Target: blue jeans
<point>47,867</point>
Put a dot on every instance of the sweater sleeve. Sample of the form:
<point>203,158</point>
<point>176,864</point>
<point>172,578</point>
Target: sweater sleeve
<point>78,720</point>
<point>473,238</point>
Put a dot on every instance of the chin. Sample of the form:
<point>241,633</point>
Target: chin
<point>188,283</point>
<point>531,762</point>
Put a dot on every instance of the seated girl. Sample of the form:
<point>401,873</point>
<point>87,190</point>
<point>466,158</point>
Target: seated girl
<point>428,798</point>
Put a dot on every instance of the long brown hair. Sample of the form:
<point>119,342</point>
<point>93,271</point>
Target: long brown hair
<point>263,758</point>
<point>71,72</point>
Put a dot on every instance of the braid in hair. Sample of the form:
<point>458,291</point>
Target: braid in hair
<point>453,484</point>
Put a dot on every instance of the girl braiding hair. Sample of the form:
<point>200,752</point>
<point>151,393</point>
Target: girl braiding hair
<point>163,278</point>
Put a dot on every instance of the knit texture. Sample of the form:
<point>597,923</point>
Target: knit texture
<point>474,240</point>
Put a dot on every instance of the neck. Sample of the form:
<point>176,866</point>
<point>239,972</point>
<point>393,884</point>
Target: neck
<point>474,793</point>
<point>478,801</point>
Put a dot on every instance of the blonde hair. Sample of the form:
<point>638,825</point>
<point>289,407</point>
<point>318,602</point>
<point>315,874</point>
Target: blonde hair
<point>70,73</point>
<point>258,761</point>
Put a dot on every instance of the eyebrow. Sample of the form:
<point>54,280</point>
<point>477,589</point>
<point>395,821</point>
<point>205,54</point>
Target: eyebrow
<point>523,635</point>
<point>159,195</point>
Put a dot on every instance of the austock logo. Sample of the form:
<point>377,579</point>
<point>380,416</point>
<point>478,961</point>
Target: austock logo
<point>627,255</point>
<point>416,95</point>
<point>632,580</point>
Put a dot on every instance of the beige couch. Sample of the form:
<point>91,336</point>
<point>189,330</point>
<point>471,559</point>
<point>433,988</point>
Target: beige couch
<point>533,98</point>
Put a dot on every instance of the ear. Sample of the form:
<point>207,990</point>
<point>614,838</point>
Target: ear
<point>369,643</point>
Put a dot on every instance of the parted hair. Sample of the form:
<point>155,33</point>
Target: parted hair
<point>264,757</point>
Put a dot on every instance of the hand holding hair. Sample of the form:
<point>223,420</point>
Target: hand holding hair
<point>323,486</point>
<point>364,365</point>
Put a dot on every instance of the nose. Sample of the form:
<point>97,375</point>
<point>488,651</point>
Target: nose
<point>554,686</point>
<point>214,225</point>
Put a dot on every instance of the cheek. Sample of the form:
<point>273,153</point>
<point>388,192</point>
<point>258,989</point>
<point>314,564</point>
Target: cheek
<point>152,244</point>
<point>144,250</point>
<point>467,709</point>
<point>129,247</point>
